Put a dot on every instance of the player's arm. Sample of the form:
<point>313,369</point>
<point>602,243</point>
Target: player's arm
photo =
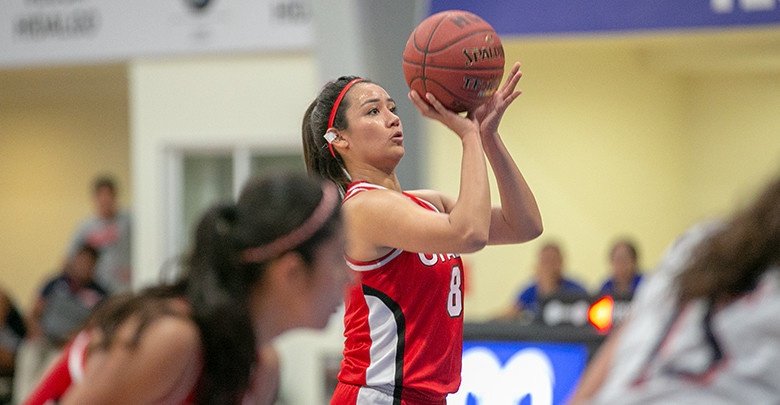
<point>380,219</point>
<point>527,219</point>
<point>596,373</point>
<point>164,365</point>
<point>518,218</point>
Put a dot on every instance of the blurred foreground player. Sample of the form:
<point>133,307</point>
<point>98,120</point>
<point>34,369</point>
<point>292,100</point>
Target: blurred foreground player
<point>271,262</point>
<point>705,328</point>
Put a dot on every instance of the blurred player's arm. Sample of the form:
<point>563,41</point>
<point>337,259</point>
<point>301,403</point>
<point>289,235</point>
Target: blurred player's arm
<point>597,371</point>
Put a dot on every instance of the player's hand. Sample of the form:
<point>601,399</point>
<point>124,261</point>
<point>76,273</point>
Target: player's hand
<point>434,109</point>
<point>490,113</point>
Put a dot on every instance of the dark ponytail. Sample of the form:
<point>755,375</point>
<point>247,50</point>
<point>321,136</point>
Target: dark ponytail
<point>315,122</point>
<point>218,290</point>
<point>218,284</point>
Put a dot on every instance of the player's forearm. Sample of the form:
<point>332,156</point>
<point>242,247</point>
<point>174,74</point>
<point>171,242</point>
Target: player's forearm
<point>519,210</point>
<point>471,211</point>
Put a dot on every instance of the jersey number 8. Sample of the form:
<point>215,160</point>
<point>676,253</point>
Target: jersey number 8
<point>455,296</point>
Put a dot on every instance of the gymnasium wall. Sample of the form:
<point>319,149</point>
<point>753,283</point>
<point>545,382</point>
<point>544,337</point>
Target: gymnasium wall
<point>211,104</point>
<point>53,140</point>
<point>624,136</point>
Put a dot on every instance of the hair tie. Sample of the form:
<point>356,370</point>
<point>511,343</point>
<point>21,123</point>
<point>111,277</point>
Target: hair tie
<point>289,241</point>
<point>330,136</point>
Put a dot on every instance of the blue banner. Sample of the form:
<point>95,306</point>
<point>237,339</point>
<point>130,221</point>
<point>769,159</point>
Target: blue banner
<point>534,17</point>
<point>519,372</point>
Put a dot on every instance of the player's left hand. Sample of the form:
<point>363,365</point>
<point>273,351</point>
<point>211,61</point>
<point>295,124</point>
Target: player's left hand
<point>490,113</point>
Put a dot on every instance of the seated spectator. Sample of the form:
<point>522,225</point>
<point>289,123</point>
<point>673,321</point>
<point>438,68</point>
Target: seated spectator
<point>64,304</point>
<point>548,280</point>
<point>12,331</point>
<point>624,266</point>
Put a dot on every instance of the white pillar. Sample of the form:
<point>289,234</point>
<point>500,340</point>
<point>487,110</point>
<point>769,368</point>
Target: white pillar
<point>367,38</point>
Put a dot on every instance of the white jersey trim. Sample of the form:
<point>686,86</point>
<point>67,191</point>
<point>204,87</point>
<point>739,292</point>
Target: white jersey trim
<point>76,357</point>
<point>370,396</point>
<point>384,341</point>
<point>368,266</point>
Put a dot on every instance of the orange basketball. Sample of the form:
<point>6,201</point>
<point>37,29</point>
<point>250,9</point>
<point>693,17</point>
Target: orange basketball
<point>457,56</point>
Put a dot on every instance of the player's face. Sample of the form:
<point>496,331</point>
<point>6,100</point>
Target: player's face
<point>374,131</point>
<point>328,280</point>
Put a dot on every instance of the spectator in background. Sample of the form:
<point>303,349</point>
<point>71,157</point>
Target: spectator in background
<point>108,230</point>
<point>624,267</point>
<point>548,280</point>
<point>64,304</point>
<point>12,331</point>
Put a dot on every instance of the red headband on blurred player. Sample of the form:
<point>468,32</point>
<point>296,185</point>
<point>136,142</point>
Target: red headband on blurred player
<point>330,136</point>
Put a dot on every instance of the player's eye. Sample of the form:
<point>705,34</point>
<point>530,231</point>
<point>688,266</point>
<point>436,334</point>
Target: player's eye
<point>373,111</point>
<point>392,108</point>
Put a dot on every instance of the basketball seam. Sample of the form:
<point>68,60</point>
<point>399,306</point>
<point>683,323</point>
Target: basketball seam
<point>452,41</point>
<point>476,39</point>
<point>455,96</point>
<point>454,68</point>
<point>425,53</point>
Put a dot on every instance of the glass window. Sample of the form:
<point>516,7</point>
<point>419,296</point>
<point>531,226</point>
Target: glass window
<point>264,163</point>
<point>208,179</point>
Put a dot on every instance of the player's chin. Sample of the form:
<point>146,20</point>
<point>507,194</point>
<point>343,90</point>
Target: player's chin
<point>394,153</point>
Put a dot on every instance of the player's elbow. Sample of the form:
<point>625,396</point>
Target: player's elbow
<point>474,240</point>
<point>529,231</point>
<point>534,230</point>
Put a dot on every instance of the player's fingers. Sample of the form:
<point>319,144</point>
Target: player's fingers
<point>512,97</point>
<point>437,105</point>
<point>511,84</point>
<point>418,102</point>
<point>514,77</point>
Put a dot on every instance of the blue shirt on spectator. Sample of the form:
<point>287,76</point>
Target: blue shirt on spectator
<point>608,288</point>
<point>529,298</point>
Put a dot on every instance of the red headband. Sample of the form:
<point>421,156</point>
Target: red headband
<point>335,108</point>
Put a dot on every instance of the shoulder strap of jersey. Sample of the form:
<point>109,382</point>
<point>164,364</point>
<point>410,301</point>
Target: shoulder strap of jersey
<point>359,186</point>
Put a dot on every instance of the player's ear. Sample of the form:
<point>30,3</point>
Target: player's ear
<point>286,272</point>
<point>333,136</point>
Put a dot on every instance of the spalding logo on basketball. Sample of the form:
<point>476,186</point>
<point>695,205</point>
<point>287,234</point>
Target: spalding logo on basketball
<point>457,56</point>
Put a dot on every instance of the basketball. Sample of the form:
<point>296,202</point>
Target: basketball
<point>457,56</point>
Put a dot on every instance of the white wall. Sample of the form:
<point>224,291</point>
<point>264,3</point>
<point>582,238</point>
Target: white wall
<point>207,103</point>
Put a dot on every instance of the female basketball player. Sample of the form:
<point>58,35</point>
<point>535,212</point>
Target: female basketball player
<point>705,327</point>
<point>404,319</point>
<point>271,262</point>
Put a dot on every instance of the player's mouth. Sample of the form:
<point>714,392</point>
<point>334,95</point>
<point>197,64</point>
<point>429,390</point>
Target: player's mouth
<point>398,137</point>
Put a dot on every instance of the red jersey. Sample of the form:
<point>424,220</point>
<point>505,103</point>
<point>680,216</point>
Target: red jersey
<point>404,321</point>
<point>68,370</point>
